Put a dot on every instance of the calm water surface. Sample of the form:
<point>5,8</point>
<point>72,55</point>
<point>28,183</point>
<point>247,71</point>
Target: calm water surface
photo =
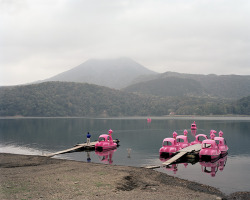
<point>39,136</point>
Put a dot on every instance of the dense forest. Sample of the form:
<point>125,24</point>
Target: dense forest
<point>171,86</point>
<point>231,87</point>
<point>51,99</point>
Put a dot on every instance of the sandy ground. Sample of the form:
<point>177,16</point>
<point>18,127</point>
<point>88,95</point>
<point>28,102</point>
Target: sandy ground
<point>38,177</point>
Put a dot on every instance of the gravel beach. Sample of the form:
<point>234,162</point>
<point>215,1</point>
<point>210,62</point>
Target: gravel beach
<point>39,177</point>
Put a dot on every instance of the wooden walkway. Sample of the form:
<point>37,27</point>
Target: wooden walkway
<point>84,146</point>
<point>182,152</point>
<point>75,148</point>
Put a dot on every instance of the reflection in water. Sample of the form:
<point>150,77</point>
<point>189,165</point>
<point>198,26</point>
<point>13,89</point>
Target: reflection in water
<point>129,152</point>
<point>206,167</point>
<point>193,132</point>
<point>212,167</point>
<point>173,167</point>
<point>106,156</point>
<point>149,120</point>
<point>88,156</point>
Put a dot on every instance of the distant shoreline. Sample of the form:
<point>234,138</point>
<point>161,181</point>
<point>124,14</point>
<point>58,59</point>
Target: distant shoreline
<point>193,117</point>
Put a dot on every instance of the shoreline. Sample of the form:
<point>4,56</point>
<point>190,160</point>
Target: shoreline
<point>40,177</point>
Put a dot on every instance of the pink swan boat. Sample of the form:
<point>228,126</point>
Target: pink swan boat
<point>199,138</point>
<point>149,120</point>
<point>182,140</point>
<point>169,146</point>
<point>209,150</point>
<point>221,142</point>
<point>105,142</point>
<point>193,126</point>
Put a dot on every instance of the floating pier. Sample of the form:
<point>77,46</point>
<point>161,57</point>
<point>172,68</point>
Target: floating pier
<point>193,149</point>
<point>77,147</point>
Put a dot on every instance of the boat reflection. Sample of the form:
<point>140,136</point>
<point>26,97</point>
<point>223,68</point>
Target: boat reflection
<point>213,167</point>
<point>193,132</point>
<point>106,156</point>
<point>207,167</point>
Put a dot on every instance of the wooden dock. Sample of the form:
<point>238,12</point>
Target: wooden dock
<point>75,148</point>
<point>83,146</point>
<point>190,149</point>
<point>182,152</point>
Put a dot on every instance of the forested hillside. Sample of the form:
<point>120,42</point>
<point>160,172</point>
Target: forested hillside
<point>241,106</point>
<point>74,99</point>
<point>171,86</point>
<point>53,99</point>
<point>225,86</point>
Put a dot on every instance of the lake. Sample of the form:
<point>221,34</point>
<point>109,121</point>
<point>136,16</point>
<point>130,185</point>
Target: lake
<point>139,144</point>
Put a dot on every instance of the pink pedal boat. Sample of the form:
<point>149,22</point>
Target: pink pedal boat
<point>221,142</point>
<point>169,146</point>
<point>193,126</point>
<point>105,142</point>
<point>182,140</point>
<point>209,150</point>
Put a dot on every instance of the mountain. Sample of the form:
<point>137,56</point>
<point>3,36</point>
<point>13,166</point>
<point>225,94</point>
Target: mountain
<point>116,73</point>
<point>178,84</point>
<point>129,76</point>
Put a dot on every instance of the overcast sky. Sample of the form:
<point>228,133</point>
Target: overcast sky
<point>41,38</point>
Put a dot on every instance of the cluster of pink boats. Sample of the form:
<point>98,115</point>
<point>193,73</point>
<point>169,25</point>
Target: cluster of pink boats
<point>211,148</point>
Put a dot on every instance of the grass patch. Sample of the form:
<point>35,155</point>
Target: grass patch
<point>101,173</point>
<point>14,188</point>
<point>99,184</point>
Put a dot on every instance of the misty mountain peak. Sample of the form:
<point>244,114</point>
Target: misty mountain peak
<point>113,73</point>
